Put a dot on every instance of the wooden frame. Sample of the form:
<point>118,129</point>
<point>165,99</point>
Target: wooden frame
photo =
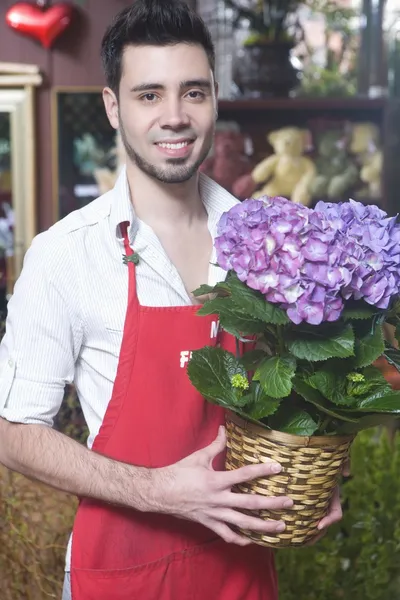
<point>17,86</point>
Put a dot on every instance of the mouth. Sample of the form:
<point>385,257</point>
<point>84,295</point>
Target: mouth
<point>176,148</point>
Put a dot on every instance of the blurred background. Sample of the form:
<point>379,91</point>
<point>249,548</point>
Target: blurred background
<point>309,109</point>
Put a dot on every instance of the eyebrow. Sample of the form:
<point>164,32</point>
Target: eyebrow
<point>145,87</point>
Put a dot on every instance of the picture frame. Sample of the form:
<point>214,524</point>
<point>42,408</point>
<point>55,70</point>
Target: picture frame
<point>17,170</point>
<point>85,155</point>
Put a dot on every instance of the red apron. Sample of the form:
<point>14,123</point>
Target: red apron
<point>154,419</point>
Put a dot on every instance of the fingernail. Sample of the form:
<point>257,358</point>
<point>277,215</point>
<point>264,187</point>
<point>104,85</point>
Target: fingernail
<point>288,504</point>
<point>281,526</point>
<point>276,468</point>
<point>320,526</point>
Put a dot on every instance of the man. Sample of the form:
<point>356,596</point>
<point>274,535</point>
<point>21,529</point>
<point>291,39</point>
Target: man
<point>156,516</point>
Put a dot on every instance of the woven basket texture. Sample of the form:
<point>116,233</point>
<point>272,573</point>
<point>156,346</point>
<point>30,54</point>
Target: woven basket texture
<point>311,468</point>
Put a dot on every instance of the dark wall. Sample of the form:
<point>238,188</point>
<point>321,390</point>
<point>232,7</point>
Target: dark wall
<point>74,61</point>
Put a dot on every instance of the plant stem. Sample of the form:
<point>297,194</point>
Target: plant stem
<point>324,424</point>
<point>281,341</point>
<point>237,349</point>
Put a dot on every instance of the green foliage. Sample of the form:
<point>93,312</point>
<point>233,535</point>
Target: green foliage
<point>268,19</point>
<point>337,77</point>
<point>359,558</point>
<point>314,379</point>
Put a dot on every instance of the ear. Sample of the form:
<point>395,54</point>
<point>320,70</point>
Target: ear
<point>216,91</point>
<point>111,106</point>
<point>272,137</point>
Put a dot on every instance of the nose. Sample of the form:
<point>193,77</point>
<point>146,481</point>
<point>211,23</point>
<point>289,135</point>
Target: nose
<point>174,115</point>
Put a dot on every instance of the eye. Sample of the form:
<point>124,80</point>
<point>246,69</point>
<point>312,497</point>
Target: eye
<point>149,98</point>
<point>196,95</point>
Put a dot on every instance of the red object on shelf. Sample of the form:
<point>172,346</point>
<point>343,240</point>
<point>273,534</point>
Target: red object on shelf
<point>44,24</point>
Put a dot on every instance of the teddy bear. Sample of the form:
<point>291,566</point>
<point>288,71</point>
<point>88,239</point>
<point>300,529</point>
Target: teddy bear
<point>365,145</point>
<point>336,172</point>
<point>287,172</point>
<point>228,160</point>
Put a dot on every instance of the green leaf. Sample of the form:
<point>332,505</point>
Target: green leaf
<point>210,370</point>
<point>374,385</point>
<point>368,346</point>
<point>297,422</point>
<point>231,319</point>
<point>251,359</point>
<point>322,343</point>
<point>314,397</point>
<point>253,303</point>
<point>357,309</point>
<point>259,405</point>
<point>275,375</point>
<point>332,386</point>
<point>220,288</point>
<point>392,355</point>
<point>388,403</point>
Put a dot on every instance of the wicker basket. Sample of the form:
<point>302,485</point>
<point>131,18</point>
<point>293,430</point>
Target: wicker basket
<point>311,467</point>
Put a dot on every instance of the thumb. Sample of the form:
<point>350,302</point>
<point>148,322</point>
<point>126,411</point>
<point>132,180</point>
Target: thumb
<point>216,447</point>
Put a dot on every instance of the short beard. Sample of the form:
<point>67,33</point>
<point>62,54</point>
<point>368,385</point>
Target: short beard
<point>177,172</point>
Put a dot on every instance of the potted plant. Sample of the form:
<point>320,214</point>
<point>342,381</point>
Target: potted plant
<point>308,293</point>
<point>264,66</point>
<point>336,74</point>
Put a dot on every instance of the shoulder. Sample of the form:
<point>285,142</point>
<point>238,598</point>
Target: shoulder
<point>91,214</point>
<point>59,241</point>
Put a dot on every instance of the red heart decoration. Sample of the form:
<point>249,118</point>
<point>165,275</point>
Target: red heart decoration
<point>43,24</point>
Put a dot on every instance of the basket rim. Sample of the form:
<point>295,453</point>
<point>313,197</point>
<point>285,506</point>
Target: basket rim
<point>316,441</point>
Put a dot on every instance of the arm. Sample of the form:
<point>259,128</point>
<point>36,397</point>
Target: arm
<point>190,489</point>
<point>263,171</point>
<point>46,455</point>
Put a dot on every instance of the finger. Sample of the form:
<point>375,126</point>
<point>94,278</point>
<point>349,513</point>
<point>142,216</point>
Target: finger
<point>229,536</point>
<point>255,501</point>
<point>243,521</point>
<point>249,472</point>
<point>335,511</point>
<point>207,454</point>
<point>346,468</point>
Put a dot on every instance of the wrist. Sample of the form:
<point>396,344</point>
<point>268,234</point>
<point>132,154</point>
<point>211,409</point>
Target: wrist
<point>156,490</point>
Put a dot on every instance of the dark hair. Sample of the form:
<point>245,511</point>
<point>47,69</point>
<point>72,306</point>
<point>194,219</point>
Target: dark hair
<point>153,23</point>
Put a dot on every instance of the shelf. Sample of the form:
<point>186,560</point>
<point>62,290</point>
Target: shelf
<point>320,104</point>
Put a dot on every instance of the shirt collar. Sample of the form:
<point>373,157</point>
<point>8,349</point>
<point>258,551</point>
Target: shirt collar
<point>216,200</point>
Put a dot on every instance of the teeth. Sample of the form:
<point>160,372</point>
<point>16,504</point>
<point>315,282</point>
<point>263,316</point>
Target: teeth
<point>174,146</point>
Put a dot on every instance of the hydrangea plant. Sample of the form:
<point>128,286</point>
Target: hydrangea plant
<point>308,292</point>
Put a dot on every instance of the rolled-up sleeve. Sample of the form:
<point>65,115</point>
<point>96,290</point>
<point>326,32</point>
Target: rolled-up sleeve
<point>43,334</point>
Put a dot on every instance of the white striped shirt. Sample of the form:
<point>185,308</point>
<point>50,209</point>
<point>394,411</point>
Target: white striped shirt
<point>65,318</point>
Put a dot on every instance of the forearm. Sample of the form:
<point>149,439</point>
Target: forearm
<point>52,458</point>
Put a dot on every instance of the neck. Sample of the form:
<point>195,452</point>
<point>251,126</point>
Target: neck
<point>164,205</point>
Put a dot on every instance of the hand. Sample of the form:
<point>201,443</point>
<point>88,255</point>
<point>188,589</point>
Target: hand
<point>335,512</point>
<point>191,489</point>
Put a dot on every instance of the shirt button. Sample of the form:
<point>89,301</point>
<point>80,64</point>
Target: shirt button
<point>11,362</point>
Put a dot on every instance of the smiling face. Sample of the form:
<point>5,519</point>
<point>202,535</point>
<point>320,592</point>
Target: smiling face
<point>166,109</point>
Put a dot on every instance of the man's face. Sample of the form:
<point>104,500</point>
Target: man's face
<point>166,109</point>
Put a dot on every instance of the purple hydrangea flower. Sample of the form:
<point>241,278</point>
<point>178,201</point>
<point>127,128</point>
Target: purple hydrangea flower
<point>310,261</point>
<point>371,243</point>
